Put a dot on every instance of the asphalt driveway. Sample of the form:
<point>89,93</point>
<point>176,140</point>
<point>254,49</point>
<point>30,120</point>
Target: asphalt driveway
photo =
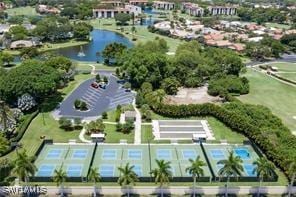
<point>98,100</point>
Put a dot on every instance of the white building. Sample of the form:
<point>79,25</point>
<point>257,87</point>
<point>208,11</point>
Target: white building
<point>163,5</point>
<point>111,12</point>
<point>223,10</point>
<point>192,9</point>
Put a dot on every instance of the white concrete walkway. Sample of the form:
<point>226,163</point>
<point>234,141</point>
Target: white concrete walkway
<point>81,136</point>
<point>138,124</point>
<point>93,69</point>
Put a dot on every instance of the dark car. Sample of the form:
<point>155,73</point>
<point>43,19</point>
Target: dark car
<point>94,85</point>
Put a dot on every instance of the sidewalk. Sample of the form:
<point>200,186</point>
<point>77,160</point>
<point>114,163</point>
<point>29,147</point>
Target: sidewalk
<point>177,190</point>
<point>138,124</point>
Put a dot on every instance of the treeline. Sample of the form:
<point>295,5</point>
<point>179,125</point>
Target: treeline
<point>37,78</point>
<point>254,121</point>
<point>262,15</point>
<point>192,66</point>
<point>50,28</point>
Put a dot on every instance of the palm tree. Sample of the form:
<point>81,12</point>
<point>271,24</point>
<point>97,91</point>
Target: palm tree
<point>162,174</point>
<point>196,170</point>
<point>4,115</point>
<point>127,177</point>
<point>24,167</point>
<point>292,175</point>
<point>232,167</point>
<point>59,178</point>
<point>95,177</point>
<point>264,169</point>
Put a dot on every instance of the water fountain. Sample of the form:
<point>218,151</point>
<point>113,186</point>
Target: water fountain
<point>81,53</point>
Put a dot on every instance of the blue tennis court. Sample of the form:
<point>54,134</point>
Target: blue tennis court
<point>138,169</point>
<point>217,154</point>
<point>134,154</point>
<point>74,170</point>
<point>54,154</point>
<point>242,153</point>
<point>249,169</point>
<point>79,154</point>
<point>46,170</point>
<point>110,154</point>
<point>189,154</point>
<point>165,154</point>
<point>106,170</point>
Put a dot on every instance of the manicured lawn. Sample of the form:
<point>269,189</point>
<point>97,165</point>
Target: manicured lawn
<point>26,11</point>
<point>112,136</point>
<point>86,66</point>
<point>285,67</point>
<point>280,98</point>
<point>276,25</point>
<point>54,46</point>
<point>142,33</point>
<point>45,125</point>
<point>290,76</point>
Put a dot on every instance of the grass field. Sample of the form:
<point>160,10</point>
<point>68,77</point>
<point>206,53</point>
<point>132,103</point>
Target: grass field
<point>276,25</point>
<point>86,66</point>
<point>280,98</point>
<point>112,136</point>
<point>286,70</point>
<point>142,33</point>
<point>26,11</point>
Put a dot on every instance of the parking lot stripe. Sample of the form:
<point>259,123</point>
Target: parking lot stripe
<point>120,98</point>
<point>92,100</point>
<point>93,91</point>
<point>122,101</point>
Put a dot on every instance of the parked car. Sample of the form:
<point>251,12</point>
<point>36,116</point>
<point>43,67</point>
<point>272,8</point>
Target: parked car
<point>94,85</point>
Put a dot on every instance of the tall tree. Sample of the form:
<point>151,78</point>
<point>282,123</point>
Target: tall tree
<point>232,167</point>
<point>4,116</point>
<point>292,176</point>
<point>195,169</point>
<point>59,178</point>
<point>127,177</point>
<point>95,177</point>
<point>264,170</point>
<point>24,167</point>
<point>162,174</point>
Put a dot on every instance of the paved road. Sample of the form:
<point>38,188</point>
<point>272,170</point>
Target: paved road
<point>285,58</point>
<point>177,190</point>
<point>98,100</point>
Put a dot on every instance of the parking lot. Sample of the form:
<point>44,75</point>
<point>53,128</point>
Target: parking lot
<point>98,100</point>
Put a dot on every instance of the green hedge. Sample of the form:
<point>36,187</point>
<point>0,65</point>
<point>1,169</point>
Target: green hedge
<point>21,129</point>
<point>256,122</point>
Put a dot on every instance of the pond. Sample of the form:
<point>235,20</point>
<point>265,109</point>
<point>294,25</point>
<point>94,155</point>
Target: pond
<point>88,52</point>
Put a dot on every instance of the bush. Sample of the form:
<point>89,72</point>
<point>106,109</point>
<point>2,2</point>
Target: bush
<point>77,104</point>
<point>65,123</point>
<point>228,84</point>
<point>105,115</point>
<point>80,105</point>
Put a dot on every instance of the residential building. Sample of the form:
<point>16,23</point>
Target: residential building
<point>223,10</point>
<point>163,5</point>
<point>192,9</point>
<point>111,12</point>
<point>138,2</point>
<point>45,9</point>
<point>113,3</point>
